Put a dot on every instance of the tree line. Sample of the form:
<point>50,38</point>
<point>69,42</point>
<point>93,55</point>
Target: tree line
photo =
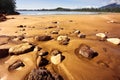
<point>7,7</point>
<point>116,9</point>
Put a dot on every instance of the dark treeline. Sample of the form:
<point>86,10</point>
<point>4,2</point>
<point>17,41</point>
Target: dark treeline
<point>7,7</point>
<point>82,9</point>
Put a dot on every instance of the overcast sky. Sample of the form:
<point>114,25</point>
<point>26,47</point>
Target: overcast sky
<point>39,4</point>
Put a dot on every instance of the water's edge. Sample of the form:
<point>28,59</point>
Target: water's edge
<point>55,12</point>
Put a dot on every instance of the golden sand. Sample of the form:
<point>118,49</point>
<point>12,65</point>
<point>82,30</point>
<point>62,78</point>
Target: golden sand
<point>106,66</point>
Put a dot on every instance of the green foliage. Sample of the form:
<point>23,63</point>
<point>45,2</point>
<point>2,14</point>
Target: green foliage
<point>7,6</point>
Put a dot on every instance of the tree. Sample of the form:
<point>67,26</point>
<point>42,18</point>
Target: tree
<point>7,6</point>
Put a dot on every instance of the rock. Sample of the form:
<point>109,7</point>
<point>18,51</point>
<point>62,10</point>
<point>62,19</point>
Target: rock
<point>56,59</point>
<point>51,27</point>
<point>43,38</point>
<point>2,17</point>
<point>36,49</point>
<point>101,36</point>
<point>38,61</point>
<point>77,32</point>
<point>62,38</point>
<point>54,52</point>
<point>86,51</point>
<point>81,36</point>
<point>21,48</point>
<point>115,41</point>
<point>21,26</point>
<point>22,29</point>
<point>42,53</point>
<point>55,22</point>
<point>40,74</point>
<point>111,21</point>
<point>4,53</point>
<point>54,32</point>
<point>70,20</point>
<point>63,42</point>
<point>16,65</point>
<point>19,38</point>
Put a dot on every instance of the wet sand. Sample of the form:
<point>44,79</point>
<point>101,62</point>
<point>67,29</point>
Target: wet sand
<point>105,66</point>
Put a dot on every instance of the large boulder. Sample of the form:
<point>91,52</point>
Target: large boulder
<point>21,48</point>
<point>16,65</point>
<point>115,41</point>
<point>85,51</point>
<point>40,74</point>
<point>43,38</point>
<point>101,36</point>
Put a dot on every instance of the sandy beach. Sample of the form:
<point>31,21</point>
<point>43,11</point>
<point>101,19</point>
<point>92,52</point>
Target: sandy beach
<point>105,66</point>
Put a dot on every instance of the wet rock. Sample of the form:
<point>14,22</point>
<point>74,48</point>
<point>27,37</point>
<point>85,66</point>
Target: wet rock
<point>77,32</point>
<point>56,59</point>
<point>16,65</point>
<point>115,41</point>
<point>42,53</point>
<point>4,53</point>
<point>40,74</point>
<point>101,36</point>
<point>81,36</point>
<point>43,38</point>
<point>85,51</point>
<point>21,48</point>
<point>54,32</point>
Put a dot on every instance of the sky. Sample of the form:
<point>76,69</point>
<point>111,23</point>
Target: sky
<point>50,4</point>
